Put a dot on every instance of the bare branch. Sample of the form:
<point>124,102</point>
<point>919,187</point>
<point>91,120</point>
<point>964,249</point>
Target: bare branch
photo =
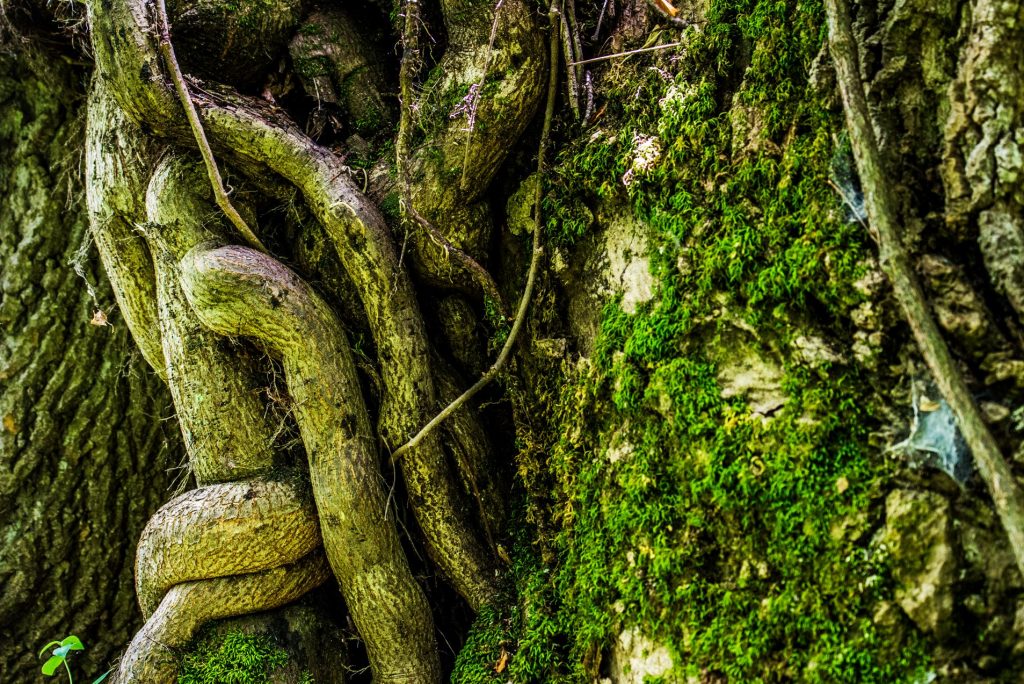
<point>219,192</point>
<point>627,53</point>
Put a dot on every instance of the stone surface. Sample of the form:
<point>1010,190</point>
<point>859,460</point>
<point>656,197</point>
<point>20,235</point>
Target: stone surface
<point>918,532</point>
<point>612,260</point>
<point>747,370</point>
<point>634,657</point>
<point>628,270</point>
<point>959,309</point>
<point>1001,238</point>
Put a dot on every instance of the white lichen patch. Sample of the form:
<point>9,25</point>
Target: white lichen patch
<point>628,267</point>
<point>645,157</point>
<point>620,448</point>
<point>748,371</point>
<point>676,100</point>
<point>634,657</point>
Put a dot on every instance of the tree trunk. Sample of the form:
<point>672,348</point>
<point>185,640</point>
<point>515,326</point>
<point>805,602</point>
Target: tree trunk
<point>86,454</point>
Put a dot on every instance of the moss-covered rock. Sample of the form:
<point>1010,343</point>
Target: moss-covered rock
<point>918,534</point>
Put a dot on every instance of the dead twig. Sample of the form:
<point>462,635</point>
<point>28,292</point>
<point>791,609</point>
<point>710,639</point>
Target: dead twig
<point>531,278</point>
<point>627,53</point>
<point>572,50</point>
<point>881,210</point>
<point>219,191</point>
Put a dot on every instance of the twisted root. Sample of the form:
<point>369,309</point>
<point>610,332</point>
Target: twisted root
<point>152,655</point>
<point>239,291</point>
<point>236,547</point>
<point>258,139</point>
<point>215,552</point>
<point>222,530</point>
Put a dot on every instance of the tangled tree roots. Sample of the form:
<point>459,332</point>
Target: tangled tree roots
<point>221,530</point>
<point>233,582</point>
<point>236,290</point>
<point>248,539</point>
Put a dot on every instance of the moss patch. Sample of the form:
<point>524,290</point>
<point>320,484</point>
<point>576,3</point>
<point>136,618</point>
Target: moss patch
<point>742,543</point>
<point>232,658</point>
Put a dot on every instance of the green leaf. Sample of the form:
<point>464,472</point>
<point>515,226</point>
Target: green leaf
<point>61,651</point>
<point>51,665</point>
<point>102,676</point>
<point>47,647</point>
<point>74,642</point>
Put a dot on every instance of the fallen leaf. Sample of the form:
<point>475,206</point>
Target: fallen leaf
<point>666,7</point>
<point>502,661</point>
<point>842,484</point>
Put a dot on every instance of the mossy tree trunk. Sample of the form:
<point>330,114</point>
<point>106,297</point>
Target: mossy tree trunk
<point>86,452</point>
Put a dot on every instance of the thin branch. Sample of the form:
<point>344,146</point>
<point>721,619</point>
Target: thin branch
<point>531,278</point>
<point>627,53</point>
<point>219,192</point>
<point>572,50</point>
<point>600,18</point>
<point>410,65</point>
<point>881,209</point>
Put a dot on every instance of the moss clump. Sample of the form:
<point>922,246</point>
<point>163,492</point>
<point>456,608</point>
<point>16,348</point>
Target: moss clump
<point>232,658</point>
<point>311,67</point>
<point>743,544</point>
<point>390,206</point>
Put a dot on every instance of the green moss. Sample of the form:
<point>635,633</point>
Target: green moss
<point>726,537</point>
<point>251,13</point>
<point>310,67</point>
<point>232,658</point>
<point>390,206</point>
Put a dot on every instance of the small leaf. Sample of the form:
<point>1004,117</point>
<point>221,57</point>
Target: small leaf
<point>502,661</point>
<point>51,665</point>
<point>74,642</point>
<point>47,647</point>
<point>61,651</point>
<point>102,676</point>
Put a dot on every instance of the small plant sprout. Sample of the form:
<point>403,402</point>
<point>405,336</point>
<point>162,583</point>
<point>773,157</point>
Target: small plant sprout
<point>59,657</point>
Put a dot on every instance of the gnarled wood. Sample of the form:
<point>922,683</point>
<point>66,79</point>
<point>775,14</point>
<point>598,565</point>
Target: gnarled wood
<point>239,291</point>
<point>152,656</point>
<point>228,430</point>
<point>248,131</point>
<point>233,528</point>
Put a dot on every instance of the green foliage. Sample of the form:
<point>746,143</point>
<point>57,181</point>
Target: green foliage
<point>232,658</point>
<point>311,67</point>
<point>498,323</point>
<point>59,656</point>
<point>739,543</point>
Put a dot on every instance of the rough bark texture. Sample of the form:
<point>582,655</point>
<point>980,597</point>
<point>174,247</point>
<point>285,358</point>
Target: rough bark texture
<point>240,291</point>
<point>85,456</point>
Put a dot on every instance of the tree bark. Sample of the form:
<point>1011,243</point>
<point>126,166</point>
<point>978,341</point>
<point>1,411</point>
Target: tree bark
<point>85,457</point>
